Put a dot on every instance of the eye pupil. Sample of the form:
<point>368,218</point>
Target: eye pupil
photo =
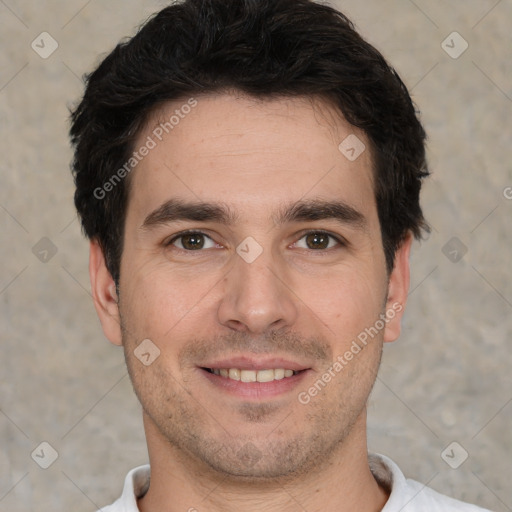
<point>317,241</point>
<point>193,241</point>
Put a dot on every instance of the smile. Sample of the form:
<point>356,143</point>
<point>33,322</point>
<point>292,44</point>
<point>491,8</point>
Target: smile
<point>255,382</point>
<point>267,375</point>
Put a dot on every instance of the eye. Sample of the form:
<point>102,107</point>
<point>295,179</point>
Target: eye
<point>192,241</point>
<point>318,240</point>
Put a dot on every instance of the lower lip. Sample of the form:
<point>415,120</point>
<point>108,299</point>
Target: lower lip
<point>255,390</point>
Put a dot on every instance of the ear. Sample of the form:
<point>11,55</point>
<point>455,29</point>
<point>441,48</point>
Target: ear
<point>398,289</point>
<point>104,294</point>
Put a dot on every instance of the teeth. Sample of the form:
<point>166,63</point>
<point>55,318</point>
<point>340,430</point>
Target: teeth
<point>265,375</point>
<point>253,375</point>
<point>279,374</point>
<point>248,376</point>
<point>234,374</point>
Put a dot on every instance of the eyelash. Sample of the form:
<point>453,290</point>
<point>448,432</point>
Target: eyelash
<point>340,241</point>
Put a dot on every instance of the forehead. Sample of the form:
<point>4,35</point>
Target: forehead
<point>250,152</point>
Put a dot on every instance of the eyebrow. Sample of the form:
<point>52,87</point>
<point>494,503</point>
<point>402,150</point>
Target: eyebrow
<point>304,210</point>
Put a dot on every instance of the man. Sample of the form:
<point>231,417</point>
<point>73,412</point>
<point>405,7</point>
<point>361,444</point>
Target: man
<point>248,173</point>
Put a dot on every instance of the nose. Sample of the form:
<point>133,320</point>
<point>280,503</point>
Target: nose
<point>257,298</point>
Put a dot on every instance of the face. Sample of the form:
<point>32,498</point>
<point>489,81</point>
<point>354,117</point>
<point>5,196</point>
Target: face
<point>253,261</point>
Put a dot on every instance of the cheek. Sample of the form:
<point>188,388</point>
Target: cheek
<point>346,300</point>
<point>157,302</point>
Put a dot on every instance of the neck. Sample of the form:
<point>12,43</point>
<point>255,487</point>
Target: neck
<point>342,483</point>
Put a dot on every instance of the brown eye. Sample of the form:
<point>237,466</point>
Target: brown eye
<point>317,241</point>
<point>192,241</point>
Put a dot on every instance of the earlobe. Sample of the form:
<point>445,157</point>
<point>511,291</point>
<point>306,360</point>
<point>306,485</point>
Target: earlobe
<point>104,294</point>
<point>398,289</point>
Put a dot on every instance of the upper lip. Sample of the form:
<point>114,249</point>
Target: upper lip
<point>254,363</point>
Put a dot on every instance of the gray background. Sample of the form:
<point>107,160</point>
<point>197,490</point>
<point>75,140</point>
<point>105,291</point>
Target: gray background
<point>446,380</point>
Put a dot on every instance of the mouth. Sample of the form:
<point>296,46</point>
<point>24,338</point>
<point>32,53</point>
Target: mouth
<point>251,379</point>
<point>268,375</point>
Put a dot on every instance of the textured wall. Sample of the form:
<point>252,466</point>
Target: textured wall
<point>446,380</point>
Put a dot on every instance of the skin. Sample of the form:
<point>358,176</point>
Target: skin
<point>302,301</point>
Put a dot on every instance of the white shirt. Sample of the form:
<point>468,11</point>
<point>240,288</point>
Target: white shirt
<point>406,495</point>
